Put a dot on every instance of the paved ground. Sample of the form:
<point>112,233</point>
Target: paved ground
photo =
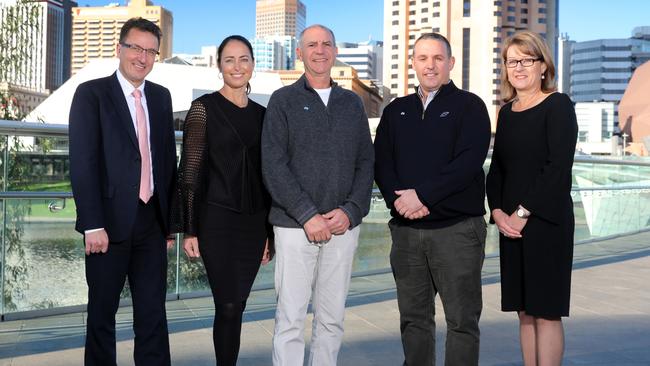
<point>609,323</point>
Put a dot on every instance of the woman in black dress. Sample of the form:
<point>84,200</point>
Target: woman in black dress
<point>224,204</point>
<point>529,194</point>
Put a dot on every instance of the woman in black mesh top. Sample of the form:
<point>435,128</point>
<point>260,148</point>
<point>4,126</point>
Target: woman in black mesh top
<point>223,205</point>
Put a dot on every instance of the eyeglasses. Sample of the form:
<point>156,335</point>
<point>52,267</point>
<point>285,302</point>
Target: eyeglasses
<point>511,63</point>
<point>139,50</point>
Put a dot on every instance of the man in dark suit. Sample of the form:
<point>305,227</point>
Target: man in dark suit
<point>123,169</point>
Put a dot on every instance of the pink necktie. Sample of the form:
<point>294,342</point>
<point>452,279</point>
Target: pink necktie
<point>143,145</point>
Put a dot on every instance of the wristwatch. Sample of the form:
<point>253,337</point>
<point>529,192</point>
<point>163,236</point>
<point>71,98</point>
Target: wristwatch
<point>522,212</point>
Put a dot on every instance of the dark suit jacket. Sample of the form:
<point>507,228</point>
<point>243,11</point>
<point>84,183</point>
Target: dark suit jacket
<point>105,159</point>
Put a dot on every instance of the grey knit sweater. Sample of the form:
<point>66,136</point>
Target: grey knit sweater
<point>316,158</point>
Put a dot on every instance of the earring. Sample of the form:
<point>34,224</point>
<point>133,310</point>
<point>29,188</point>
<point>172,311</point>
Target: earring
<point>543,76</point>
<point>220,75</point>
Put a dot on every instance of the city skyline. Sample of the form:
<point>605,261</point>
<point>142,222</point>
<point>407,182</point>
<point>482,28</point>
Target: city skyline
<point>356,21</point>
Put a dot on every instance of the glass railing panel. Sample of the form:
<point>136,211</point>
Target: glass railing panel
<point>43,255</point>
<point>191,275</point>
<point>2,257</point>
<point>38,164</point>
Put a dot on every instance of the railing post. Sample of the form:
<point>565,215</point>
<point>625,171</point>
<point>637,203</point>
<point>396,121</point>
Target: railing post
<point>5,172</point>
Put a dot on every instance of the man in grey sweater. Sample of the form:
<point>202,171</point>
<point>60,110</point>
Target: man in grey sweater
<point>317,163</point>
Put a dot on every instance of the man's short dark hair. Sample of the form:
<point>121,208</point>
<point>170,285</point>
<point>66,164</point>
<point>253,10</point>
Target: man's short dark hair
<point>436,37</point>
<point>142,25</point>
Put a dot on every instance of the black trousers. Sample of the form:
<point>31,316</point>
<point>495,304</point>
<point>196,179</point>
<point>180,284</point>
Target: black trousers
<point>445,261</point>
<point>143,260</point>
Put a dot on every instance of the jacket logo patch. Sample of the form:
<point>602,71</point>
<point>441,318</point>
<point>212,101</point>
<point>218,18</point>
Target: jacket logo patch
<point>444,114</point>
<point>402,114</point>
<point>305,108</point>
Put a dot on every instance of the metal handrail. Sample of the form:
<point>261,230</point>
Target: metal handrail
<point>34,195</point>
<point>20,128</point>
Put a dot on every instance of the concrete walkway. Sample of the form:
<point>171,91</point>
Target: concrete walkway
<point>609,323</point>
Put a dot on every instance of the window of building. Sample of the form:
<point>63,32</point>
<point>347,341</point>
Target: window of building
<point>412,12</point>
<point>395,22</point>
<point>394,57</point>
<point>424,20</point>
<point>524,1</point>
<point>467,7</point>
<point>341,73</point>
<point>524,21</point>
<point>542,10</point>
<point>394,66</point>
<point>524,11</point>
<point>411,86</point>
<point>511,8</point>
<point>511,18</point>
<point>436,30</point>
<point>395,12</point>
<point>395,37</point>
<point>411,22</point>
<point>498,3</point>
<point>436,15</point>
<point>424,10</point>
<point>497,13</point>
<point>412,2</point>
<point>541,20</point>
<point>466,62</point>
<point>393,86</point>
<point>411,36</point>
<point>395,3</point>
<point>394,47</point>
<point>436,4</point>
<point>542,1</point>
<point>393,76</point>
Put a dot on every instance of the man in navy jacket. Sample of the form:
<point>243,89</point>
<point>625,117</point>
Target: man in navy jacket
<point>429,152</point>
<point>122,169</point>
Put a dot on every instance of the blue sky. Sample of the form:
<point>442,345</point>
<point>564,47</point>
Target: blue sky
<point>205,22</point>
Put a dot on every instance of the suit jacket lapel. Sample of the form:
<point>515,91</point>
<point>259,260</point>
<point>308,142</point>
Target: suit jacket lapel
<point>123,109</point>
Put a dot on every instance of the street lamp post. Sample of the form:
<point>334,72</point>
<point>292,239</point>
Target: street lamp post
<point>624,135</point>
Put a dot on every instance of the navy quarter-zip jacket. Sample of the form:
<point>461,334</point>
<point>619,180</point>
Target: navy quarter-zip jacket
<point>439,152</point>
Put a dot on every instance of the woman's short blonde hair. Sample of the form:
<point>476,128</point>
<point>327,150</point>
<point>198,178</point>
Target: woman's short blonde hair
<point>532,44</point>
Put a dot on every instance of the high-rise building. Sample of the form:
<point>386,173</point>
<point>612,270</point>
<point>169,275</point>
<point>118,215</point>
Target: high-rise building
<point>279,18</point>
<point>274,52</point>
<point>45,69</point>
<point>602,68</point>
<point>476,31</point>
<point>96,30</point>
<point>366,57</point>
<point>278,24</point>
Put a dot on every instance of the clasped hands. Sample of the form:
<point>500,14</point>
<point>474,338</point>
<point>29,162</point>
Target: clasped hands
<point>320,228</point>
<point>509,225</point>
<point>409,205</point>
